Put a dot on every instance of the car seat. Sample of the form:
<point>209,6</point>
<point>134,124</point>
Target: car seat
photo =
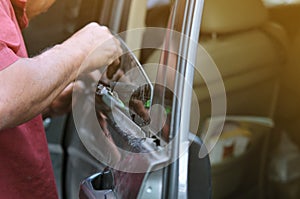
<point>247,48</point>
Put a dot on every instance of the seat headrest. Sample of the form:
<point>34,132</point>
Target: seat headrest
<point>225,16</point>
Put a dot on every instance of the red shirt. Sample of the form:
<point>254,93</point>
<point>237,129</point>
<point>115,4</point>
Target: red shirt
<point>25,164</point>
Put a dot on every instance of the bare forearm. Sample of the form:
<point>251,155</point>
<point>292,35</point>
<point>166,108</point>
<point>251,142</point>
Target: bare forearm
<point>29,85</point>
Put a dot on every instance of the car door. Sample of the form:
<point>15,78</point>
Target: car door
<point>186,177</point>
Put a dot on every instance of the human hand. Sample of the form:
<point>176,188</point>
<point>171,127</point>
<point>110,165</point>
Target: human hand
<point>137,109</point>
<point>98,47</point>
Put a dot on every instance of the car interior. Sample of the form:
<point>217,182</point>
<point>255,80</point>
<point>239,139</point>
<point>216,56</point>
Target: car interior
<point>253,45</point>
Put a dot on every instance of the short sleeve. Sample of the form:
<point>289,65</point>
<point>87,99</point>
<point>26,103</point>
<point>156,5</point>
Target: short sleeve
<point>12,46</point>
<point>7,56</point>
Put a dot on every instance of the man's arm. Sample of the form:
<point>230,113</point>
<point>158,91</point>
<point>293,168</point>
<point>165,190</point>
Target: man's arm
<point>29,85</point>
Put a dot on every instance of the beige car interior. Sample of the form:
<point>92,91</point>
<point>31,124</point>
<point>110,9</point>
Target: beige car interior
<point>252,51</point>
<point>248,50</point>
